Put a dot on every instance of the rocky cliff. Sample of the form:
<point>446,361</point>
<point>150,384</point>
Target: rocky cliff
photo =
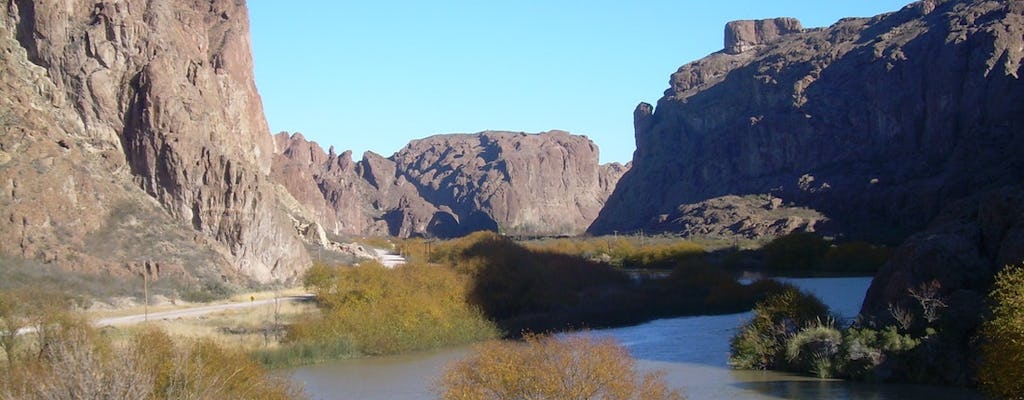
<point>451,185</point>
<point>134,139</point>
<point>877,123</point>
<point>905,127</point>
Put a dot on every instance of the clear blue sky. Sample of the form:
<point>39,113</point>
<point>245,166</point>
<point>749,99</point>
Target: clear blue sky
<point>373,75</point>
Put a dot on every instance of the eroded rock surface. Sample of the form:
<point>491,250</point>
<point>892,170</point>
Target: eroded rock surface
<point>134,137</point>
<point>877,123</point>
<point>747,35</point>
<point>451,185</point>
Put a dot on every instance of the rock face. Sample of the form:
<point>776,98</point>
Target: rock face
<point>877,123</point>
<point>747,35</point>
<point>133,137</point>
<point>962,250</point>
<point>451,185</point>
<point>746,216</point>
<point>953,261</point>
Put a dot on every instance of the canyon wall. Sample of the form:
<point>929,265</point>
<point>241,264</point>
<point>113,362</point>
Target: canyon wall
<point>450,185</point>
<point>134,138</point>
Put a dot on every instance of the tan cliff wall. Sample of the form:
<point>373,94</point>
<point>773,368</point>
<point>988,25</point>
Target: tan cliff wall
<point>148,106</point>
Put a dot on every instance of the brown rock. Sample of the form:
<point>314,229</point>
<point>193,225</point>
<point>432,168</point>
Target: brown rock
<point>144,117</point>
<point>451,185</point>
<point>752,216</point>
<point>741,36</point>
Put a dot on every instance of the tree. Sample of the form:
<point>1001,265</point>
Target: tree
<point>546,367</point>
<point>1002,337</point>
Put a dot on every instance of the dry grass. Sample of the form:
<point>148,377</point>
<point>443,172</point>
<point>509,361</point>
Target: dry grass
<point>136,309</point>
<point>250,328</point>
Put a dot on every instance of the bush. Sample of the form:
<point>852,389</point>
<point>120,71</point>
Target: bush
<point>381,311</point>
<point>74,361</point>
<point>761,343</point>
<point>30,308</point>
<point>1002,337</point>
<point>545,367</point>
<point>855,257</point>
<point>867,351</point>
<point>508,280</point>
<point>798,251</point>
<point>815,349</point>
<point>662,256</point>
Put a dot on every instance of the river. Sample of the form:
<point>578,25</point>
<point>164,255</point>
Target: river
<point>692,351</point>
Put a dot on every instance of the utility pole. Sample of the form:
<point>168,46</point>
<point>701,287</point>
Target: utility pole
<point>145,290</point>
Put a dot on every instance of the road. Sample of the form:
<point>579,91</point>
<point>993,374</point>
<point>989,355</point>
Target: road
<point>389,260</point>
<point>385,258</point>
<point>193,311</point>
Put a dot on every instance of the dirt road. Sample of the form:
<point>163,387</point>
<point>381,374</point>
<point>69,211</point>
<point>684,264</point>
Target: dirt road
<point>193,311</point>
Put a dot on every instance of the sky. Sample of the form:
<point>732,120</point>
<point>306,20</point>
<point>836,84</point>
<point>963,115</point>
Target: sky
<point>373,75</point>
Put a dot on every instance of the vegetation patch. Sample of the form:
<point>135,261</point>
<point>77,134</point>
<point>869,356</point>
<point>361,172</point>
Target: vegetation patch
<point>546,367</point>
<point>374,310</point>
<point>64,357</point>
<point>1002,337</point>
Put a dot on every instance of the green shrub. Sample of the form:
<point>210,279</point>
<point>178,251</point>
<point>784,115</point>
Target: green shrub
<point>305,352</point>
<point>1002,336</point>
<point>662,256</point>
<point>866,350</point>
<point>815,349</point>
<point>761,342</point>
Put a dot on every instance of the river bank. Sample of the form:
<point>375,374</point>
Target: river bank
<point>691,350</point>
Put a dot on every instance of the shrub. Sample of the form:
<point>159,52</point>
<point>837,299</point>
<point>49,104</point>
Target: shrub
<point>662,256</point>
<point>545,367</point>
<point>877,355</point>
<point>508,280</point>
<point>815,349</point>
<point>380,311</point>
<point>1002,337</point>
<point>795,251</point>
<point>855,257</point>
<point>30,308</point>
<point>71,364</point>
<point>74,361</point>
<point>761,342</point>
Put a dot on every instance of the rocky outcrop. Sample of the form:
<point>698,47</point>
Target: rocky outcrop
<point>139,139</point>
<point>961,250</point>
<point>451,185</point>
<point>877,123</point>
<point>741,36</point>
<point>940,277</point>
<point>735,216</point>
